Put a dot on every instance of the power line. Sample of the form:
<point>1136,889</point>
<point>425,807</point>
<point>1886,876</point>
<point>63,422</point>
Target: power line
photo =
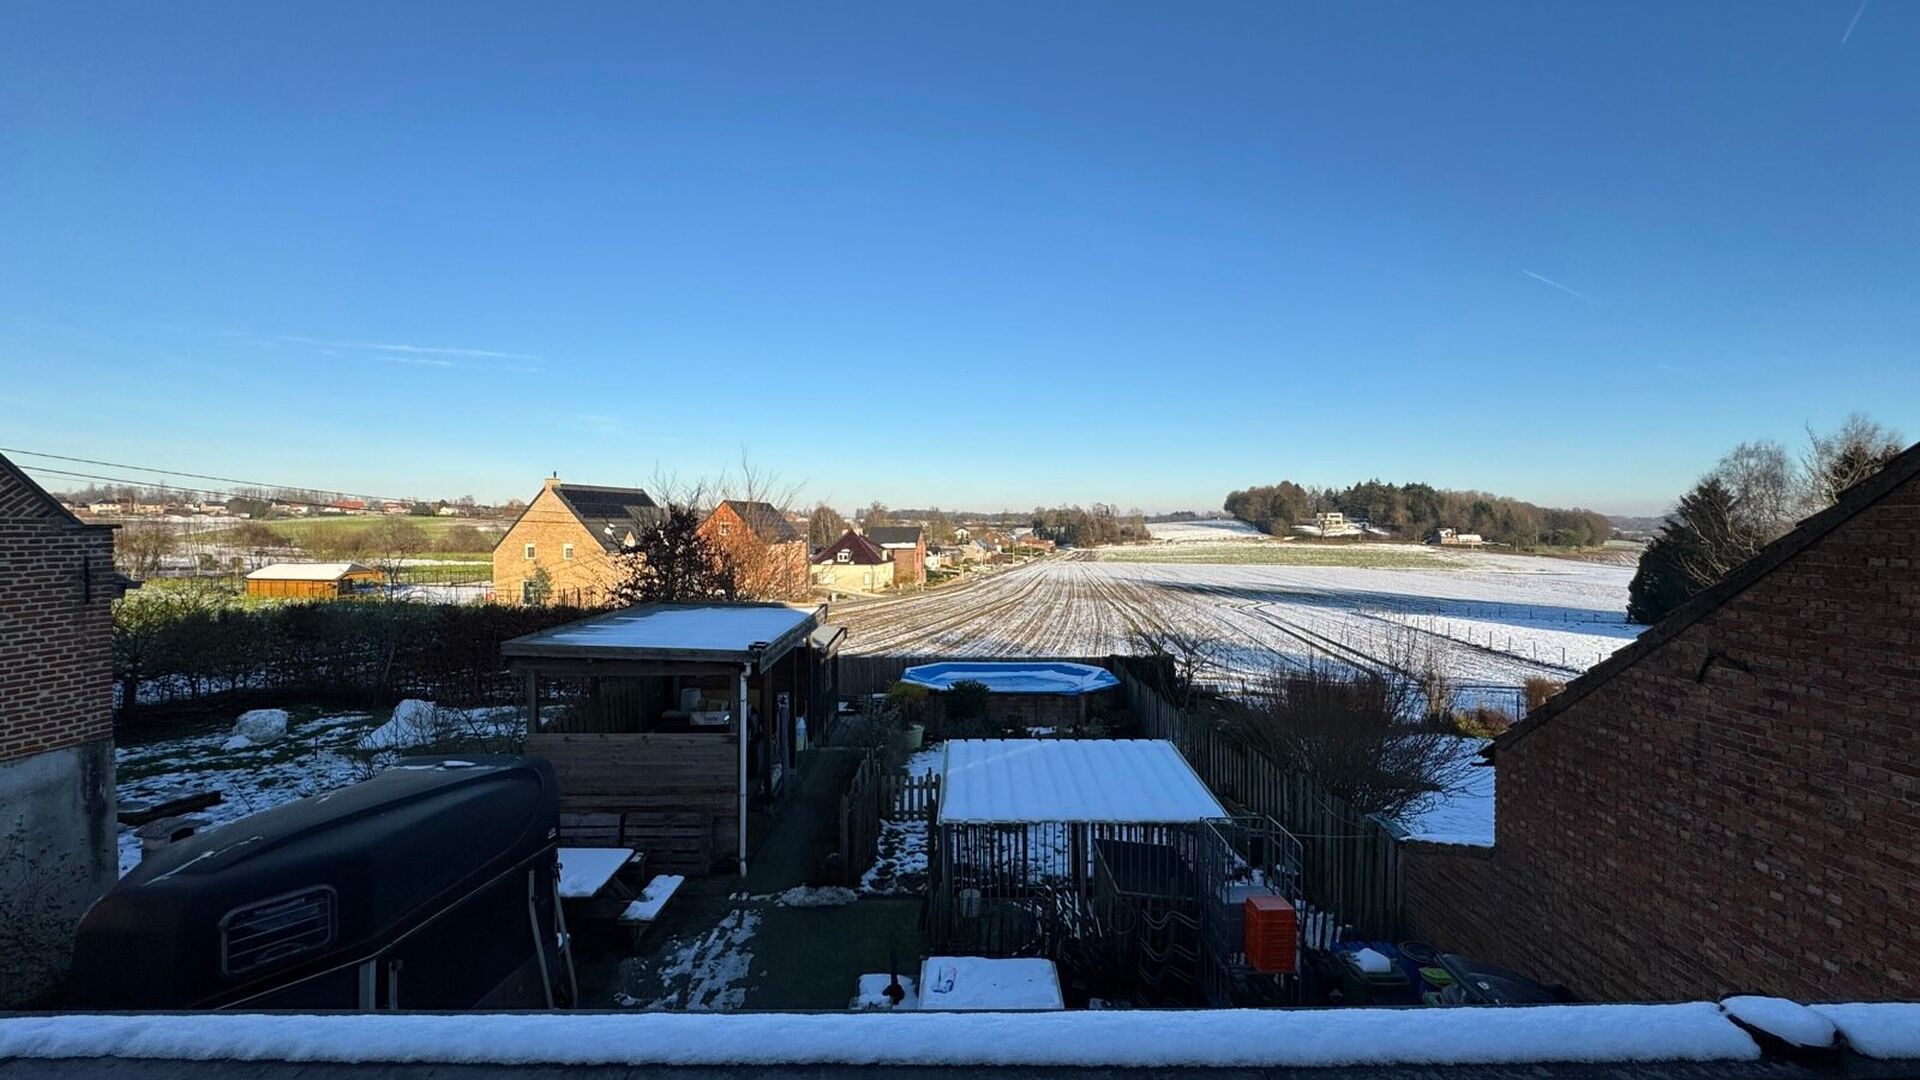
<point>189,475</point>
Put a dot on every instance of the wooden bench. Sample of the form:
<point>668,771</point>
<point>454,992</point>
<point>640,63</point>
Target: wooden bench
<point>672,843</point>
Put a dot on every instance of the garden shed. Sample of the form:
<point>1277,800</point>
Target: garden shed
<point>1109,856</point>
<point>670,726</point>
<point>1024,694</point>
<point>311,580</point>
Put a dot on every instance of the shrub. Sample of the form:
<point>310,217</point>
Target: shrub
<point>1538,690</point>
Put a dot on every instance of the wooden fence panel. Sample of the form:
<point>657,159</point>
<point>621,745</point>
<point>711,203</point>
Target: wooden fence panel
<point>1350,864</point>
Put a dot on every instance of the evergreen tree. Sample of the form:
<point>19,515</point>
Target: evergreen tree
<point>671,562</point>
<point>1703,539</point>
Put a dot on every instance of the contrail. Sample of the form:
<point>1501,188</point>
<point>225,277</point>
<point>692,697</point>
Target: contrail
<point>1857,12</point>
<point>1563,288</point>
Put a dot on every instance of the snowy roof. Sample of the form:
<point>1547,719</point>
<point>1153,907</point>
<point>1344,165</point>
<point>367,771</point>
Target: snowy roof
<point>309,571</point>
<point>1115,780</point>
<point>1014,676</point>
<point>716,631</point>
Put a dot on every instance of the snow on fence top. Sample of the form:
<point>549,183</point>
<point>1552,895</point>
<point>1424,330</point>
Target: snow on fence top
<point>1014,676</point>
<point>671,628</point>
<point>308,571</point>
<point>1033,780</point>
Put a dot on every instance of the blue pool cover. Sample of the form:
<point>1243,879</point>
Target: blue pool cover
<point>1014,676</point>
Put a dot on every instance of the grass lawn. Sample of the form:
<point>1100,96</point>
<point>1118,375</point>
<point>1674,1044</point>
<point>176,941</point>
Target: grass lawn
<point>1296,553</point>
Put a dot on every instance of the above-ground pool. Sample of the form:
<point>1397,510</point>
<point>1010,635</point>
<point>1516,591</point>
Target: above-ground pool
<point>1014,676</point>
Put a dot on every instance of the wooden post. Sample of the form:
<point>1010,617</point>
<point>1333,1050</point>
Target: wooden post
<point>740,725</point>
<point>533,703</point>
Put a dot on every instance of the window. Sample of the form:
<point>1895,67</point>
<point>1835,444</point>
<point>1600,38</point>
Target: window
<point>529,551</point>
<point>526,592</point>
<point>566,551</point>
<point>726,528</point>
<point>843,556</point>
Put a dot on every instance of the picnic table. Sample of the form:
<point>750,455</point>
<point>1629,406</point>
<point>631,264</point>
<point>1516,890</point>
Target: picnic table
<point>599,883</point>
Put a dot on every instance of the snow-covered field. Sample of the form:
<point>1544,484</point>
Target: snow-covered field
<point>1212,530</point>
<point>1486,618</point>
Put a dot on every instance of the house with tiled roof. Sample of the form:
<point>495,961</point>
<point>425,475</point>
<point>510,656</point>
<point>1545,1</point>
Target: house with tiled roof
<point>906,546</point>
<point>852,564</point>
<point>1730,802</point>
<point>769,554</point>
<point>561,548</point>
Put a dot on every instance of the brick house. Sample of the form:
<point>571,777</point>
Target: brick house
<point>906,547</point>
<point>768,552</point>
<point>852,564</point>
<point>1732,802</point>
<point>561,547</point>
<point>57,837</point>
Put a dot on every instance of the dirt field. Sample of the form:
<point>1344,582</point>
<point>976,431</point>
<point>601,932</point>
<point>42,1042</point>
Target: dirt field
<point>1491,619</point>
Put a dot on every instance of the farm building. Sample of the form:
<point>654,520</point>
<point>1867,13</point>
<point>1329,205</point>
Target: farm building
<point>852,564</point>
<point>308,581</point>
<point>1109,857</point>
<point>560,549</point>
<point>1024,694</point>
<point>670,726</point>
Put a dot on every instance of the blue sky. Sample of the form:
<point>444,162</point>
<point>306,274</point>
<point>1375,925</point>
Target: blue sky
<point>975,255</point>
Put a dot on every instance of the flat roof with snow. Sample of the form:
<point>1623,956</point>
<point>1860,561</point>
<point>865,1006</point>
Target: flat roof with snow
<point>713,632</point>
<point>309,571</point>
<point>1014,676</point>
<point>1112,780</point>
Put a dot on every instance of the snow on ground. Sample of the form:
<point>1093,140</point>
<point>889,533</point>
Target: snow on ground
<point>871,994</point>
<point>701,973</point>
<point>1487,618</point>
<point>1463,817</point>
<point>900,867</point>
<point>1211,530</point>
<point>1245,1038</point>
<point>816,896</point>
<point>320,753</point>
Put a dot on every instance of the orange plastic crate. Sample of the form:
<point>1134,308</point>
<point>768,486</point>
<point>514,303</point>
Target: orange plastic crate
<point>1272,933</point>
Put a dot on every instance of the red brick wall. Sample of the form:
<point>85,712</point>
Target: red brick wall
<point>1674,834</point>
<point>56,665</point>
<point>910,564</point>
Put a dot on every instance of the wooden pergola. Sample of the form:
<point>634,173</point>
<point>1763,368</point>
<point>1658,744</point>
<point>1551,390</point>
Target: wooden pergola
<point>626,750</point>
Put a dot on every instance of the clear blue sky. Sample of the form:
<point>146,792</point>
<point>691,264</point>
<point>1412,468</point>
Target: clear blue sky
<point>975,255</point>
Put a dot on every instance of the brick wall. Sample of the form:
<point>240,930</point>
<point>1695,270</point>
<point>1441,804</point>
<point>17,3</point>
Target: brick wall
<point>1737,810</point>
<point>56,659</point>
<point>549,526</point>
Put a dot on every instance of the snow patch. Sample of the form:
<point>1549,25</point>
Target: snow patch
<point>1787,1020</point>
<point>872,993</point>
<point>812,896</point>
<point>1876,1029</point>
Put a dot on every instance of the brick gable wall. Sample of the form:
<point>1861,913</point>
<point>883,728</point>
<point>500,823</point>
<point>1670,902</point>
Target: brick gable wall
<point>56,660</point>
<point>1739,810</point>
<point>549,526</point>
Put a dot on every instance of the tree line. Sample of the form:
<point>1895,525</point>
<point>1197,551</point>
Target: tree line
<point>1414,510</point>
<point>1088,527</point>
<point>1751,497</point>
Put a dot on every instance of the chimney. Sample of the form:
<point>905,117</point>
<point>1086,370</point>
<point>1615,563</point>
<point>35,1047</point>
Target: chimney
<point>551,482</point>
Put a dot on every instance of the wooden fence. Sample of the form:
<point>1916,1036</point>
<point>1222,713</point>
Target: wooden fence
<point>875,794</point>
<point>1350,864</point>
<point>861,675</point>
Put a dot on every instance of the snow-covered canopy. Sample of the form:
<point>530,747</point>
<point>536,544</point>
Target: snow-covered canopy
<point>1109,780</point>
<point>1014,676</point>
<point>732,630</point>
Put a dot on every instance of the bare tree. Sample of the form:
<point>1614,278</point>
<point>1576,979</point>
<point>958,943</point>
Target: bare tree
<point>824,526</point>
<point>1767,497</point>
<point>1350,731</point>
<point>1833,463</point>
<point>141,547</point>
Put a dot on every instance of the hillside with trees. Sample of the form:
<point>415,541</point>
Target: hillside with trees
<point>1412,511</point>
